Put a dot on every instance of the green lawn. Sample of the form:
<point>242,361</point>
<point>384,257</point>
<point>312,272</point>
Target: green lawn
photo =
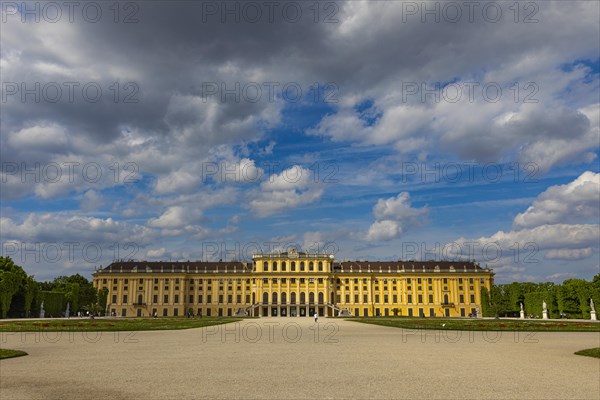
<point>8,353</point>
<point>595,352</point>
<point>112,324</point>
<point>482,324</point>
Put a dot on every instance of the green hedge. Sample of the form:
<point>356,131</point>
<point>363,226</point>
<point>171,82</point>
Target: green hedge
<point>55,302</point>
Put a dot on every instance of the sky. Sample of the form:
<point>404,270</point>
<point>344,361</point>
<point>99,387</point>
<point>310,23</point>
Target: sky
<point>153,130</point>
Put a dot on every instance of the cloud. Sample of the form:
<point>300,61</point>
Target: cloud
<point>289,189</point>
<point>568,254</point>
<point>576,201</point>
<point>562,223</point>
<point>394,216</point>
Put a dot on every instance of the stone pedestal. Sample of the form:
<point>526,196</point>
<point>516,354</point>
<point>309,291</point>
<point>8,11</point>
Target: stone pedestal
<point>593,316</point>
<point>545,314</point>
<point>522,314</point>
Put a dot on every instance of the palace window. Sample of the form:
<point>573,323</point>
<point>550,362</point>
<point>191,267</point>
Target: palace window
<point>420,298</point>
<point>320,265</point>
<point>445,281</point>
<point>459,280</point>
<point>293,266</point>
<point>311,280</point>
<point>166,298</point>
<point>356,298</point>
<point>292,280</point>
<point>208,300</point>
<point>470,280</point>
<point>431,298</point>
<point>430,288</point>
<point>177,281</point>
<point>365,298</point>
<point>429,280</point>
<point>311,266</point>
<point>408,287</point>
<point>176,299</point>
<point>320,280</point>
<point>472,298</point>
<point>155,299</point>
<point>410,299</point>
<point>395,298</point>
<point>283,280</point>
<point>302,280</point>
<point>265,280</point>
<point>482,280</point>
<point>265,266</point>
<point>461,298</point>
<point>347,298</point>
<point>191,298</point>
<point>376,298</point>
<point>301,265</point>
<point>418,280</point>
<point>385,298</point>
<point>220,298</point>
<point>274,280</point>
<point>283,266</point>
<point>127,281</point>
<point>274,265</point>
<point>408,280</point>
<point>156,281</point>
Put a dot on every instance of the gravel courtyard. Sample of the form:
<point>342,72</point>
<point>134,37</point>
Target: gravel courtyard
<point>298,358</point>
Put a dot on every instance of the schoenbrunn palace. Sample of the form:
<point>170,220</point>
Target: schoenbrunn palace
<point>294,284</point>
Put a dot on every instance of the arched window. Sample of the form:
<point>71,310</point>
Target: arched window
<point>275,298</point>
<point>283,298</point>
<point>265,297</point>
<point>321,298</point>
<point>320,265</point>
<point>274,265</point>
<point>311,266</point>
<point>301,265</point>
<point>265,266</point>
<point>140,299</point>
<point>446,298</point>
<point>293,266</point>
<point>302,298</point>
<point>311,297</point>
<point>293,297</point>
<point>283,266</point>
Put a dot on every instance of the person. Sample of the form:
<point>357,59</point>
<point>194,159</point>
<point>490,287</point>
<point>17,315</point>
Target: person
<point>316,316</point>
<point>155,315</point>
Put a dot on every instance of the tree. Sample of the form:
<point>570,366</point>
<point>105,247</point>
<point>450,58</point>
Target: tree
<point>9,286</point>
<point>30,287</point>
<point>103,298</point>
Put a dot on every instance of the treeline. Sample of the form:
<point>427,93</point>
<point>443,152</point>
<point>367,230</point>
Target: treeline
<point>22,296</point>
<point>571,298</point>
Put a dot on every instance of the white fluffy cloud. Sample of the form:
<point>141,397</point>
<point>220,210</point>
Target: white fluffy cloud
<point>576,201</point>
<point>291,188</point>
<point>561,224</point>
<point>394,216</point>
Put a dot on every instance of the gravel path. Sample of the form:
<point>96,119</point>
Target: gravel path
<point>296,358</point>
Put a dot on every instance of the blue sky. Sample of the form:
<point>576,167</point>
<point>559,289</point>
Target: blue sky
<point>187,156</point>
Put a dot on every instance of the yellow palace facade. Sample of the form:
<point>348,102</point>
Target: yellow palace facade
<point>294,284</point>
